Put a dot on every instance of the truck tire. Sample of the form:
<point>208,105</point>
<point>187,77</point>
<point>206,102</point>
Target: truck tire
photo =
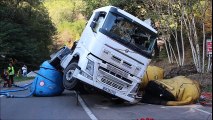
<point>69,82</point>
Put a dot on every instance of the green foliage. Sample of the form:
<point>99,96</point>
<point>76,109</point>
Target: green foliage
<point>132,6</point>
<point>92,5</point>
<point>20,78</point>
<point>73,28</point>
<point>26,31</point>
<point>64,10</point>
<point>68,19</point>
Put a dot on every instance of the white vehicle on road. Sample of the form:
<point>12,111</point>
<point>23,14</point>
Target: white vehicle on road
<point>112,54</point>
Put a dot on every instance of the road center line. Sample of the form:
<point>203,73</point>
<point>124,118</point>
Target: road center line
<point>87,110</point>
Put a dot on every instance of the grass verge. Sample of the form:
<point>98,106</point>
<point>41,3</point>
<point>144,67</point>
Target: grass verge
<point>21,78</point>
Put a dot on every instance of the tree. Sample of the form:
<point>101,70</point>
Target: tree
<point>92,5</point>
<point>26,31</point>
<point>68,19</point>
<point>132,6</point>
<point>188,17</point>
<point>194,19</point>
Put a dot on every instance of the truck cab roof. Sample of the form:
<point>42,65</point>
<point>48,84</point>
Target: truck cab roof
<point>131,17</point>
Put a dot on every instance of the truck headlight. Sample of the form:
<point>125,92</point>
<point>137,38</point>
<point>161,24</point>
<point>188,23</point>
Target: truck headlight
<point>90,67</point>
<point>133,93</point>
<point>135,89</point>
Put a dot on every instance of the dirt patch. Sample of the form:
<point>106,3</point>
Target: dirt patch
<point>188,70</point>
<point>205,81</point>
<point>179,71</point>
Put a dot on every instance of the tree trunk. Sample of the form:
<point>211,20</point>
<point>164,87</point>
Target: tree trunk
<point>204,44</point>
<point>189,34</point>
<point>196,43</point>
<point>167,51</point>
<point>182,41</point>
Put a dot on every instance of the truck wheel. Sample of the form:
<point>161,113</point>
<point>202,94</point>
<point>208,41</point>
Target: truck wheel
<point>69,81</point>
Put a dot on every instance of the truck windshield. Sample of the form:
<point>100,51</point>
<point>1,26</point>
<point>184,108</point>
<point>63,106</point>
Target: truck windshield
<point>130,33</point>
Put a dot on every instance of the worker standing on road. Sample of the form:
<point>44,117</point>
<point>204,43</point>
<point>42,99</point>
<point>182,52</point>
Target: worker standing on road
<point>11,73</point>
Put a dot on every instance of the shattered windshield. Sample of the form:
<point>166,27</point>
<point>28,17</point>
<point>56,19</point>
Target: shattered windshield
<point>129,32</point>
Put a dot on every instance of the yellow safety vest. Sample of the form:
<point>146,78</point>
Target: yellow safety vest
<point>11,70</point>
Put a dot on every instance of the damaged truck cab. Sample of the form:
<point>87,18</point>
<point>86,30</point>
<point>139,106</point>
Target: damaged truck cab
<point>112,54</point>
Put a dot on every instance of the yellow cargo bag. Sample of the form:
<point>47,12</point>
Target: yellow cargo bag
<point>175,91</point>
<point>152,73</point>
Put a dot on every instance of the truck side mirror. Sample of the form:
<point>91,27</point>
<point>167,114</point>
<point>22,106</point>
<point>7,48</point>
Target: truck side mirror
<point>94,21</point>
<point>93,24</point>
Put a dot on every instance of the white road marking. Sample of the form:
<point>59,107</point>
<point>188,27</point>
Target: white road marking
<point>87,110</point>
<point>202,111</point>
<point>195,107</point>
<point>1,95</point>
<point>185,106</point>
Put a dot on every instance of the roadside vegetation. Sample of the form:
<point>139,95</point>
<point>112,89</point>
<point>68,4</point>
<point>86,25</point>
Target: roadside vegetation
<point>26,32</point>
<point>21,78</point>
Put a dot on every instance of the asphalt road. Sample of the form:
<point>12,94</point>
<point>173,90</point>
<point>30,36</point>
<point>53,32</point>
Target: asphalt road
<point>93,106</point>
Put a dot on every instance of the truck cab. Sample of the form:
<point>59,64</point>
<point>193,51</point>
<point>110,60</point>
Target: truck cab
<point>112,54</point>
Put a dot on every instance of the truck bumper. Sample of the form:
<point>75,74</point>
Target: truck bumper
<point>79,74</point>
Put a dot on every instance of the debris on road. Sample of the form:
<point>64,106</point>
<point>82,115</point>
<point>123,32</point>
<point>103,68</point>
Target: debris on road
<point>48,82</point>
<point>152,73</point>
<point>206,99</point>
<point>175,91</point>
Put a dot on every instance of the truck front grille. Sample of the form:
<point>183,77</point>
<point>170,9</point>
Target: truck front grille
<point>115,75</point>
<point>112,84</point>
<point>116,59</point>
<point>117,71</point>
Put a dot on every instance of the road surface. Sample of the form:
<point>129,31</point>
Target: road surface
<point>93,107</point>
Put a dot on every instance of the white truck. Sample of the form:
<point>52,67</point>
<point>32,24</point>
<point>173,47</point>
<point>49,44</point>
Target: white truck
<point>112,54</point>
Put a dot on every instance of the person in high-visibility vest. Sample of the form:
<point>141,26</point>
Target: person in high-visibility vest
<point>11,73</point>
